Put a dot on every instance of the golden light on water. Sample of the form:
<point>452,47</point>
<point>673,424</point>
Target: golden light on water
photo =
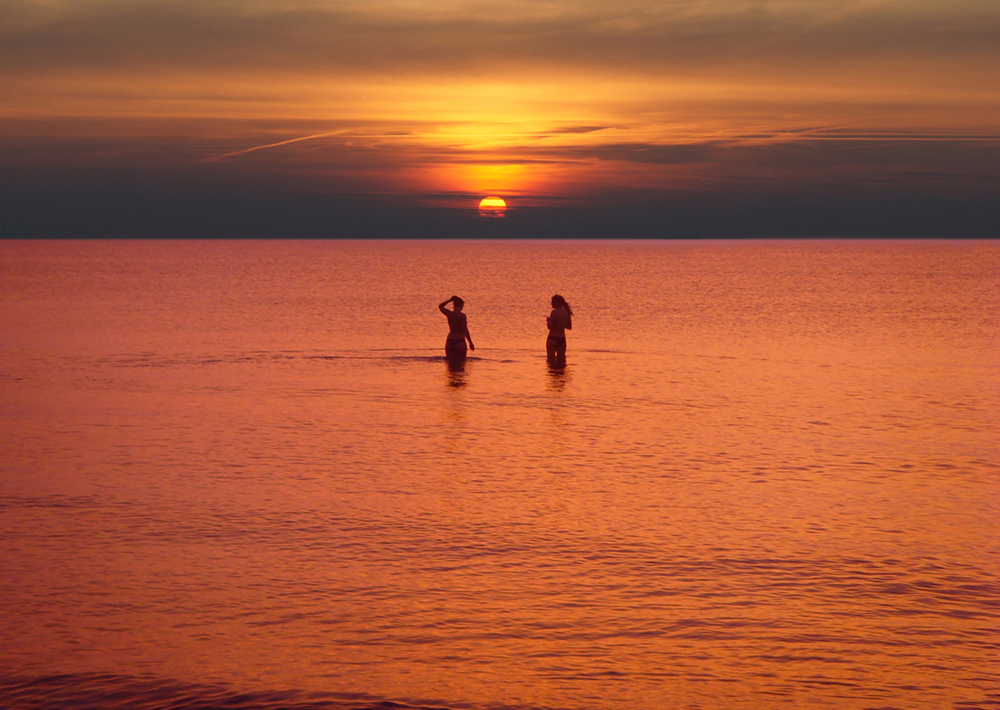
<point>492,206</point>
<point>738,479</point>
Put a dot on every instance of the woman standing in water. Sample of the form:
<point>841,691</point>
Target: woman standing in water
<point>454,346</point>
<point>559,321</point>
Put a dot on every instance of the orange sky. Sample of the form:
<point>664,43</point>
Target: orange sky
<point>534,100</point>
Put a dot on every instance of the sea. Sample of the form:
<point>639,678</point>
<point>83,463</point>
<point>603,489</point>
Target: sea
<point>241,474</point>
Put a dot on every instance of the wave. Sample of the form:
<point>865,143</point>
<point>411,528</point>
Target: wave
<point>151,360</point>
<point>100,691</point>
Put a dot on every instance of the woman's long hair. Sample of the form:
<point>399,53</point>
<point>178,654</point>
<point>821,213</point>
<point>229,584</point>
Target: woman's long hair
<point>560,302</point>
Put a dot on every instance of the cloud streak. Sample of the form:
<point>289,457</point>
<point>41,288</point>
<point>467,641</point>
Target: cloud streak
<point>385,38</point>
<point>396,160</point>
<point>251,149</point>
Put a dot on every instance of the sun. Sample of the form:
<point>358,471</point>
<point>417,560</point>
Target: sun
<point>492,206</point>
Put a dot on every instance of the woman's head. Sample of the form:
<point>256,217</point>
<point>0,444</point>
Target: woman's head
<point>560,302</point>
<point>458,302</point>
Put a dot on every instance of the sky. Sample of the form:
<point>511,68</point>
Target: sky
<point>393,118</point>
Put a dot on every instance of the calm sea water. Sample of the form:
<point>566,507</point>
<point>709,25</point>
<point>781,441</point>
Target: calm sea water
<point>240,474</point>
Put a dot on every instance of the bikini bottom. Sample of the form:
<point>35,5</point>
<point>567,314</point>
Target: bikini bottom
<point>453,347</point>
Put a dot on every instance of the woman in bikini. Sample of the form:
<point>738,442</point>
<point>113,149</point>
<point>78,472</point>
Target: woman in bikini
<point>559,321</point>
<point>454,346</point>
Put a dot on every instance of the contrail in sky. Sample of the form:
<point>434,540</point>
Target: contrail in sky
<point>270,145</point>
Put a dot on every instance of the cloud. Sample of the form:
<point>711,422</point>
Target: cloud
<point>389,38</point>
<point>396,159</point>
<point>568,130</point>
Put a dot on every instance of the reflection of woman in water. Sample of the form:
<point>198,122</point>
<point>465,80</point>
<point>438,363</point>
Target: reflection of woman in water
<point>559,321</point>
<point>454,346</point>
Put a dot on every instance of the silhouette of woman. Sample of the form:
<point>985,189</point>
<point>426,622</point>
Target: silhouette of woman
<point>559,321</point>
<point>454,346</point>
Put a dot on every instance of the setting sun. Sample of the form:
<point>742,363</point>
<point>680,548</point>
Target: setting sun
<point>492,207</point>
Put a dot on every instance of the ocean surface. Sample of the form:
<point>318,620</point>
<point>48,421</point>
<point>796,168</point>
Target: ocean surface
<point>242,475</point>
